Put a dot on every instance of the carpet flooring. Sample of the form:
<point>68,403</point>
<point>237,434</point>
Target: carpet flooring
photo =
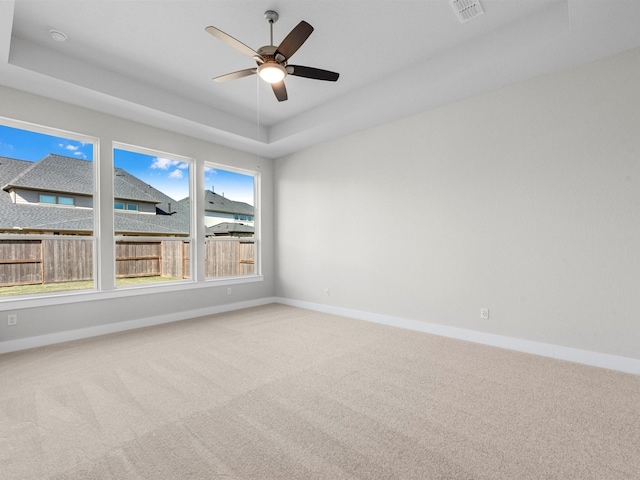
<point>277,392</point>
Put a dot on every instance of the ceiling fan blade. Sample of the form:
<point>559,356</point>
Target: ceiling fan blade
<point>294,40</point>
<point>232,42</point>
<point>280,90</point>
<point>234,75</point>
<point>310,72</point>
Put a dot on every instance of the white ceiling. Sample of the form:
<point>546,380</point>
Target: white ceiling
<point>152,61</point>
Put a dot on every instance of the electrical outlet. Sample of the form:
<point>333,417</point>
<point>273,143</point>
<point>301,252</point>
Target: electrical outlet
<point>327,292</point>
<point>484,313</point>
<point>228,290</point>
<point>12,320</point>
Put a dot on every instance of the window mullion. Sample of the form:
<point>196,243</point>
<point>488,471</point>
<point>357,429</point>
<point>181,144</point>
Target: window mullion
<point>105,262</point>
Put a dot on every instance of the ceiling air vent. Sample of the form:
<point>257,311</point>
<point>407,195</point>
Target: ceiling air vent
<point>465,10</point>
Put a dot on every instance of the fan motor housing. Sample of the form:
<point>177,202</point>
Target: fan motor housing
<point>268,53</point>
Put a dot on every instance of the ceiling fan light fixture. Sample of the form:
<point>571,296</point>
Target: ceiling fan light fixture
<point>273,60</point>
<point>272,72</point>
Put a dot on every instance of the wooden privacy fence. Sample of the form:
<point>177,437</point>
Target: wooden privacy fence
<point>28,262</point>
<point>35,261</point>
<point>224,258</point>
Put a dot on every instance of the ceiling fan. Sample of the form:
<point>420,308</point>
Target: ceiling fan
<point>273,61</point>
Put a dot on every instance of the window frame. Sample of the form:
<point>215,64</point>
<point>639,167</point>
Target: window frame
<point>190,237</point>
<point>56,200</point>
<point>104,237</point>
<point>257,215</point>
<point>42,196</point>
<point>26,301</point>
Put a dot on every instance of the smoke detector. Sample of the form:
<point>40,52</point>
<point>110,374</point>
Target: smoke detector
<point>465,10</point>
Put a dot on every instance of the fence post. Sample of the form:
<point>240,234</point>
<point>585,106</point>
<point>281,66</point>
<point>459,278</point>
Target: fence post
<point>42,269</point>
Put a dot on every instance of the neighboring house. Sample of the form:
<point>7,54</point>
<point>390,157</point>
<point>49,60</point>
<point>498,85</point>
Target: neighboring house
<point>219,209</point>
<point>228,229</point>
<point>54,195</point>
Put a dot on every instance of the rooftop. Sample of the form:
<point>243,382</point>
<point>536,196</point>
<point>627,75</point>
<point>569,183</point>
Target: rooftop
<point>58,173</point>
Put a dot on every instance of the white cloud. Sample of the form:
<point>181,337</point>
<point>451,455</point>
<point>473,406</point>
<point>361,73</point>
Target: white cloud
<point>176,174</point>
<point>68,146</point>
<point>166,164</point>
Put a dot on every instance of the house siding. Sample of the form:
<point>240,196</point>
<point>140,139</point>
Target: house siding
<point>142,207</point>
<point>23,196</point>
<point>214,218</point>
<point>147,208</point>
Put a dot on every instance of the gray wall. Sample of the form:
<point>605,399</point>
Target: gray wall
<point>39,319</point>
<point>525,200</point>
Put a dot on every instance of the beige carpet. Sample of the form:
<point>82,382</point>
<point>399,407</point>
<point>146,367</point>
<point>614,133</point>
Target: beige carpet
<point>277,392</point>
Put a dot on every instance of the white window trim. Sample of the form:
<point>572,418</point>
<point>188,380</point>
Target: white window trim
<point>257,210</point>
<point>78,137</point>
<point>103,201</point>
<point>192,227</point>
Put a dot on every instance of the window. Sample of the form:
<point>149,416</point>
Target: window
<point>56,200</point>
<point>131,207</point>
<point>38,256</point>
<point>156,248</point>
<point>47,249</point>
<point>230,246</point>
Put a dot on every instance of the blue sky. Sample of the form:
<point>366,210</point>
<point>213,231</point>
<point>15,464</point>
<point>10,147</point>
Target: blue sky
<point>167,175</point>
<point>234,186</point>
<point>32,146</point>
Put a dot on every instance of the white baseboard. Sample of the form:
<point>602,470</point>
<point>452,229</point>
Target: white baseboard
<point>52,338</point>
<point>585,357</point>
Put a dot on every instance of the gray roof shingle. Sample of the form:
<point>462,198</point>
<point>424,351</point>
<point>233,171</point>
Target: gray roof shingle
<point>128,187</point>
<point>217,203</point>
<point>73,175</point>
<point>10,168</point>
<point>56,173</point>
<point>229,228</point>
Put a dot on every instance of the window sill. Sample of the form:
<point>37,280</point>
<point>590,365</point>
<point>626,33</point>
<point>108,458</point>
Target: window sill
<point>78,296</point>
